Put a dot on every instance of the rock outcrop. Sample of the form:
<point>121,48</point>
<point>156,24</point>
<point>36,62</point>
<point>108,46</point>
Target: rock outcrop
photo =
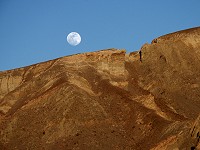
<point>107,99</point>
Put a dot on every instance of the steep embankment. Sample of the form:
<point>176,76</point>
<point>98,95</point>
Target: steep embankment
<point>106,99</point>
<point>171,70</point>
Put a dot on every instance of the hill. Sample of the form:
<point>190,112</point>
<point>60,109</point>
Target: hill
<point>107,99</point>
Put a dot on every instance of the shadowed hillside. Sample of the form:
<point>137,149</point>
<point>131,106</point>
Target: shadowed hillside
<point>107,99</point>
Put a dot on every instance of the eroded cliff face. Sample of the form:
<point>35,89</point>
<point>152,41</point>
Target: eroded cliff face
<point>106,99</point>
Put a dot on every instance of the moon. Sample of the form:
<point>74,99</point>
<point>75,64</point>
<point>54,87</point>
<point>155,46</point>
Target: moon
<point>73,38</point>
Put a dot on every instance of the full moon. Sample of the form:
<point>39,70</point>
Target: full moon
<point>73,38</point>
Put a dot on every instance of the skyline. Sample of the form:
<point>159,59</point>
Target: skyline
<point>36,31</point>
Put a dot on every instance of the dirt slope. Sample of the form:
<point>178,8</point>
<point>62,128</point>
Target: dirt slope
<point>107,99</point>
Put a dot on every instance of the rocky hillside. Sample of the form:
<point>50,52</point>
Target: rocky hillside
<point>107,99</point>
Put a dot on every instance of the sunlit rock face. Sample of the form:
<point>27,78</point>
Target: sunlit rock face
<point>107,99</point>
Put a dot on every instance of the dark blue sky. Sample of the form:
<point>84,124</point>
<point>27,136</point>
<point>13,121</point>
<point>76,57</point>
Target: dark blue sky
<point>32,31</point>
